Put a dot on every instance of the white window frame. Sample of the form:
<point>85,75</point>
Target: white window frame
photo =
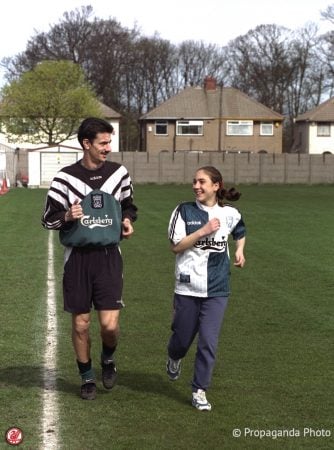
<point>266,129</point>
<point>161,123</point>
<point>182,125</point>
<point>239,127</point>
<point>323,129</point>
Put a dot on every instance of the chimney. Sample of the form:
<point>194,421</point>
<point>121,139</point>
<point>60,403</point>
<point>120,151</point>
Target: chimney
<point>210,83</point>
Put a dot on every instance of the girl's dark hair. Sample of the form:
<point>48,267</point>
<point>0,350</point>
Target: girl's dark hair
<point>216,177</point>
<point>91,126</point>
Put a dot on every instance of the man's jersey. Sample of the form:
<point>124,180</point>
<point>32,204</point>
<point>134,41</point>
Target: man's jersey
<point>204,269</point>
<point>75,183</point>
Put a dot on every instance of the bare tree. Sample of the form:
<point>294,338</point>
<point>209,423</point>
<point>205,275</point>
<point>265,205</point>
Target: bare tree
<point>327,51</point>
<point>66,40</point>
<point>196,60</point>
<point>261,64</point>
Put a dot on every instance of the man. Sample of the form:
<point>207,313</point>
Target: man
<point>91,204</point>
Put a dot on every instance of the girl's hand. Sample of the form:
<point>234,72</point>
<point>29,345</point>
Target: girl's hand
<point>239,258</point>
<point>210,227</point>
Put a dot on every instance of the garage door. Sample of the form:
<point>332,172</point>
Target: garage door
<point>2,161</point>
<point>51,163</point>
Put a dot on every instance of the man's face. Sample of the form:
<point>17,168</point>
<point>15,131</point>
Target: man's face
<point>96,152</point>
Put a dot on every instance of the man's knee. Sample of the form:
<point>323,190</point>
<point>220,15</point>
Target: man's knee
<point>109,322</point>
<point>111,328</point>
<point>81,323</point>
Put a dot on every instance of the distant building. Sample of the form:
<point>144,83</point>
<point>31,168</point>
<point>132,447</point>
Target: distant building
<point>314,130</point>
<point>211,118</point>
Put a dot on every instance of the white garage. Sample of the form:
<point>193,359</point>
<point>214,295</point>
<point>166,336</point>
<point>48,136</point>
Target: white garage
<point>44,163</point>
<point>51,163</point>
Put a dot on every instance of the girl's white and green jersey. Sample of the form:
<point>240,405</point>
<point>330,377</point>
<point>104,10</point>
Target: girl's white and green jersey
<point>105,195</point>
<point>204,269</point>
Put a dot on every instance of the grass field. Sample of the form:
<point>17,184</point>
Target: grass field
<point>274,369</point>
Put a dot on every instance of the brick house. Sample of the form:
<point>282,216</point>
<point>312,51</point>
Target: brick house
<point>211,118</point>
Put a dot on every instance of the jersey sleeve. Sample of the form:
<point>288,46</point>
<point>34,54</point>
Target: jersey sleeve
<point>129,209</point>
<point>239,231</point>
<point>177,227</point>
<point>53,217</point>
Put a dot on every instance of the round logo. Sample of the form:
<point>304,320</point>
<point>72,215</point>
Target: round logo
<point>14,436</point>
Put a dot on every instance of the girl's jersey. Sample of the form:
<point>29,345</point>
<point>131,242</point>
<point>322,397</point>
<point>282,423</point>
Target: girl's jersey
<point>204,269</point>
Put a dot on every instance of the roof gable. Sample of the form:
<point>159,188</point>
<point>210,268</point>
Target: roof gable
<point>321,113</point>
<point>109,113</point>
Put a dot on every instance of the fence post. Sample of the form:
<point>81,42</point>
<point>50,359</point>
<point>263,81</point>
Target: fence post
<point>235,168</point>
<point>260,168</point>
<point>285,176</point>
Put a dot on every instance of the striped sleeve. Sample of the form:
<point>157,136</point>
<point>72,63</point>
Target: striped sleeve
<point>239,230</point>
<point>176,228</point>
<point>57,202</point>
<point>53,217</point>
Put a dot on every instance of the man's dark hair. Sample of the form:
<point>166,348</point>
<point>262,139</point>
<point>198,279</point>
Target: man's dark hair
<point>91,126</point>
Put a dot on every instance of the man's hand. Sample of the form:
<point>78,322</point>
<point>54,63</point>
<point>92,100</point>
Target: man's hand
<point>127,228</point>
<point>75,212</point>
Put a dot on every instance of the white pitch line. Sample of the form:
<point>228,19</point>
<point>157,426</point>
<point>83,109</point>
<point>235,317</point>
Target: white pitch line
<point>50,413</point>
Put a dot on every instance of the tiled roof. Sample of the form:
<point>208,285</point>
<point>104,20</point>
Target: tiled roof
<point>322,113</point>
<point>198,103</point>
<point>109,113</point>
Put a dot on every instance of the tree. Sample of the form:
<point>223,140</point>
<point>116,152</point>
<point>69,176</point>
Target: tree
<point>262,65</point>
<point>68,40</point>
<point>45,105</point>
<point>327,53</point>
<point>196,60</point>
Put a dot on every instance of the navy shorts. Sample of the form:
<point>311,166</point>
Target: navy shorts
<point>93,277</point>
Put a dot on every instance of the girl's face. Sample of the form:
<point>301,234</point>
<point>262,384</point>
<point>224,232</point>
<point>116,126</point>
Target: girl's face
<point>205,190</point>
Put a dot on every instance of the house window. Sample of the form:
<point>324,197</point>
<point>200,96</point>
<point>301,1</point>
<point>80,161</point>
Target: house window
<point>239,128</point>
<point>189,127</point>
<point>323,129</point>
<point>266,129</point>
<point>161,127</point>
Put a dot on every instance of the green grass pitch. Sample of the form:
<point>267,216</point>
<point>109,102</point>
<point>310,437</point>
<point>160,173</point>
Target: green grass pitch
<point>274,370</point>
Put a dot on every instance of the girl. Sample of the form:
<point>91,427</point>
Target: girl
<point>198,232</point>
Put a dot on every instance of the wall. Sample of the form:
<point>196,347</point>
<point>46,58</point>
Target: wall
<point>236,168</point>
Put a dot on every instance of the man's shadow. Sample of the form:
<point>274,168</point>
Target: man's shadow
<point>52,380</point>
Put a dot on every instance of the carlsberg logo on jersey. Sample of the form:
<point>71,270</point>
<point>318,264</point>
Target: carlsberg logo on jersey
<point>101,224</point>
<point>212,244</point>
<point>92,222</point>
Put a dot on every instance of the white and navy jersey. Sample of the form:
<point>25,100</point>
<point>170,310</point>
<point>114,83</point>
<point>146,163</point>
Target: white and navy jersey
<point>74,182</point>
<point>204,269</point>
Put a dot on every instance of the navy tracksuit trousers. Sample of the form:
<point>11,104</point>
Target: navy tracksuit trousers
<point>202,316</point>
